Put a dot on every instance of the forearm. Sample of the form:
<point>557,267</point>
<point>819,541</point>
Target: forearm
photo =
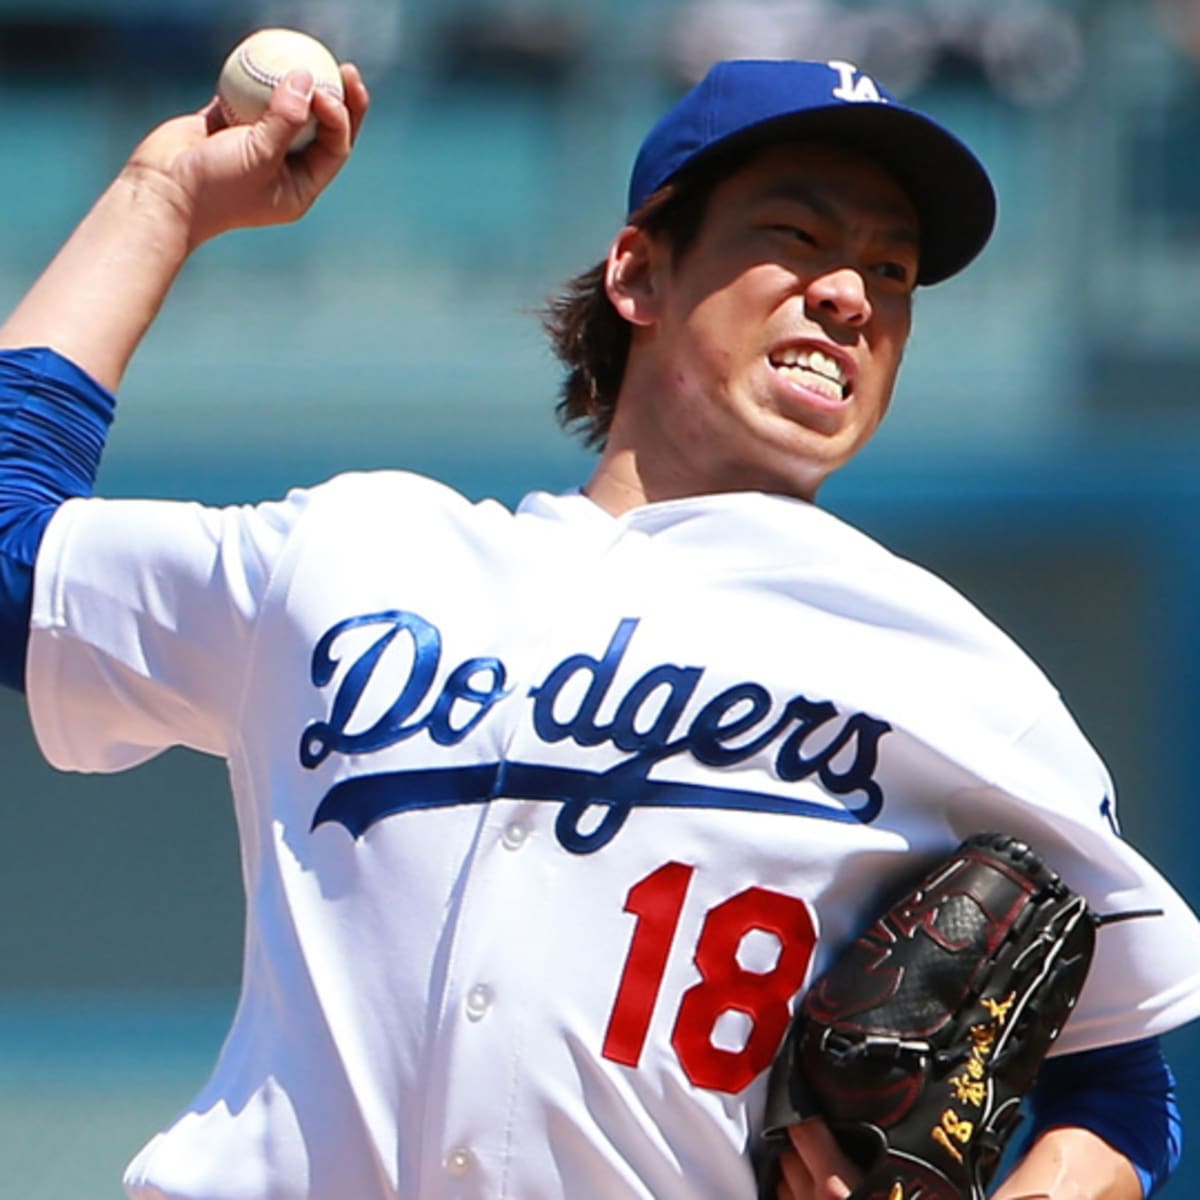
<point>1071,1164</point>
<point>184,184</point>
<point>98,296</point>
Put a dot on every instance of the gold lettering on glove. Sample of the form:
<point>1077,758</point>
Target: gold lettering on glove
<point>953,1126</point>
<point>970,1087</point>
<point>998,1009</point>
<point>967,1090</point>
<point>983,1042</point>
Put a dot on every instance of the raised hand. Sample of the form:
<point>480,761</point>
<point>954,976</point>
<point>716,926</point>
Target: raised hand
<point>189,180</point>
<point>222,178</point>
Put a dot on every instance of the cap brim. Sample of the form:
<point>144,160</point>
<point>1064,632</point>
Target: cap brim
<point>949,188</point>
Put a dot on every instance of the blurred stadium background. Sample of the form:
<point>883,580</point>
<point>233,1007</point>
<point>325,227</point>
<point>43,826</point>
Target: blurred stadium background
<point>1042,452</point>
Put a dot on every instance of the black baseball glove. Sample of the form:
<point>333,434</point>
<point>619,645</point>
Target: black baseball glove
<point>919,1042</point>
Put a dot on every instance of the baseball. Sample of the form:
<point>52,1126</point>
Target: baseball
<point>260,61</point>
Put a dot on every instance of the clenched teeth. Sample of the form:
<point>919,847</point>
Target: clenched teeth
<point>812,368</point>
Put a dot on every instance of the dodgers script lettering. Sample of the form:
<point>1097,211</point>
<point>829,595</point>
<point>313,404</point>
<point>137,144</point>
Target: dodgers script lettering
<point>649,724</point>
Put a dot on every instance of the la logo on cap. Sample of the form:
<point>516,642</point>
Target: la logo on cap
<point>854,85</point>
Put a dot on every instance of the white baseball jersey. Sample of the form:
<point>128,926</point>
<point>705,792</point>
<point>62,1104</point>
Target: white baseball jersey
<point>547,817</point>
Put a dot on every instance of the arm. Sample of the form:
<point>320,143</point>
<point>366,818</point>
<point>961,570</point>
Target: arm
<point>1072,1164</point>
<point>185,183</point>
<point>1105,1114</point>
<point>53,424</point>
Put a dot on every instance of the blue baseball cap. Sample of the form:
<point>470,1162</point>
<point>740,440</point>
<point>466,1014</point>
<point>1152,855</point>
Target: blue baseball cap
<point>747,102</point>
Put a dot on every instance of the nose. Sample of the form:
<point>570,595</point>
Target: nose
<point>840,295</point>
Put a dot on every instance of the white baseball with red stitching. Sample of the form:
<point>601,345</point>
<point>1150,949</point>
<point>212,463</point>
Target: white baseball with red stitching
<point>258,63</point>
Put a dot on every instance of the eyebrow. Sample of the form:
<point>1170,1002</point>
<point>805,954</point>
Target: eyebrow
<point>903,229</point>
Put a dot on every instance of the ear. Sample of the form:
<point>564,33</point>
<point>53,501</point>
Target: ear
<point>632,277</point>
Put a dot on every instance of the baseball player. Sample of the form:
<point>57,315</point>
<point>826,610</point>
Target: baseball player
<point>548,816</point>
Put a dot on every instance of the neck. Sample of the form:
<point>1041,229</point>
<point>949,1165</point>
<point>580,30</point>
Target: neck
<point>625,479</point>
<point>616,484</point>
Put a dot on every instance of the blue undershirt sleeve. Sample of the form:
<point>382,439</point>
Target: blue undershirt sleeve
<point>1124,1094</point>
<point>54,419</point>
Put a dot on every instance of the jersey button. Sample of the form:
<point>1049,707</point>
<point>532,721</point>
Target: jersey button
<point>479,1000</point>
<point>459,1161</point>
<point>516,833</point>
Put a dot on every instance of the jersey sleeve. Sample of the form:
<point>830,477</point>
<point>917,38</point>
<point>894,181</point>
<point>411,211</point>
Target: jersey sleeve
<point>1054,791</point>
<point>143,617</point>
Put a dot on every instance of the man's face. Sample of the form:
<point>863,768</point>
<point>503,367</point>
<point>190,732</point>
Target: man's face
<point>765,355</point>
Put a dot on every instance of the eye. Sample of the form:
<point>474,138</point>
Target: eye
<point>896,272</point>
<point>797,232</point>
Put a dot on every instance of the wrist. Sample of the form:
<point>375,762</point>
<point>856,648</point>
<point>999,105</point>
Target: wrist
<point>99,294</point>
<point>162,208</point>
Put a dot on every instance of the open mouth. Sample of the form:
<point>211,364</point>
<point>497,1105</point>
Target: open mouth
<point>812,369</point>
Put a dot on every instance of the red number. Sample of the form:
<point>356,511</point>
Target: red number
<point>657,901</point>
<point>725,985</point>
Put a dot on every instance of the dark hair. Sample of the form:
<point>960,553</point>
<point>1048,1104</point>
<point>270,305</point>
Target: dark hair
<point>589,337</point>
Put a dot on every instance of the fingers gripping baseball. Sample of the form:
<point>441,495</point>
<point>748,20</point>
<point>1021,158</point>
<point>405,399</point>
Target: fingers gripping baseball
<point>228,177</point>
<point>266,141</point>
